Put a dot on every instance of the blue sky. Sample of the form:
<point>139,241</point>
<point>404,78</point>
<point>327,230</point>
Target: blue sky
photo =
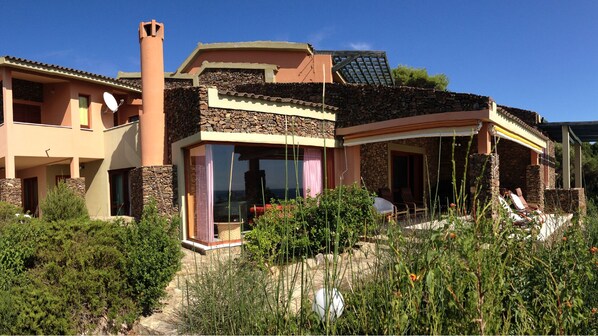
<point>537,55</point>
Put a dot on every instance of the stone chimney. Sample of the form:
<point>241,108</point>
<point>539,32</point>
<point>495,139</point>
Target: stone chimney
<point>151,119</point>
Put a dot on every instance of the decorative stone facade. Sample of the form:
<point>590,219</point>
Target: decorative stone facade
<point>374,165</point>
<point>514,160</point>
<point>362,104</point>
<point>182,108</point>
<point>484,174</point>
<point>228,79</point>
<point>565,200</point>
<point>11,191</point>
<point>77,185</point>
<point>157,183</point>
<point>534,190</point>
<point>237,121</point>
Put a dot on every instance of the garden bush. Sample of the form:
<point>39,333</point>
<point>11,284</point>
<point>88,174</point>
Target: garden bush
<point>61,203</point>
<point>8,212</point>
<point>67,276</point>
<point>153,253</point>
<point>332,221</point>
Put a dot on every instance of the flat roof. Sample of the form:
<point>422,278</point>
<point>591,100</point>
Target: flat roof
<point>361,66</point>
<point>581,131</point>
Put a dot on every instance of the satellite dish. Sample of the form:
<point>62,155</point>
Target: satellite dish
<point>111,102</point>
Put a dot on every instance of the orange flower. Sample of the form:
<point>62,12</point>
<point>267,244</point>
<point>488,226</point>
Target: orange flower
<point>413,277</point>
<point>594,310</point>
<point>568,304</point>
<point>453,205</point>
<point>564,239</point>
<point>452,235</point>
<point>594,249</point>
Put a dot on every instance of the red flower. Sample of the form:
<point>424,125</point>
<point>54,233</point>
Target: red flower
<point>413,277</point>
<point>594,249</point>
<point>564,239</point>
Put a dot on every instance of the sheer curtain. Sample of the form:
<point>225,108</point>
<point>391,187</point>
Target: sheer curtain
<point>204,184</point>
<point>312,171</point>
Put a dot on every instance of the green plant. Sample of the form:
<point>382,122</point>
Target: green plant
<point>153,256</point>
<point>8,212</point>
<point>61,203</point>
<point>334,220</point>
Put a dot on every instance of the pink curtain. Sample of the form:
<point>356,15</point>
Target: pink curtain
<point>204,185</point>
<point>312,171</point>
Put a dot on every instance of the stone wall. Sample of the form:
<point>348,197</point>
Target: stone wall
<point>11,191</point>
<point>514,160</point>
<point>361,104</point>
<point>238,121</point>
<point>228,79</point>
<point>374,165</point>
<point>77,185</point>
<point>157,183</point>
<point>483,178</point>
<point>548,162</point>
<point>182,109</point>
<point>534,189</point>
<point>565,200</point>
<point>529,117</point>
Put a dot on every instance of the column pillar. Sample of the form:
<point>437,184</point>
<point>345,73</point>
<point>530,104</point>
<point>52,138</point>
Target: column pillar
<point>566,158</point>
<point>7,106</point>
<point>484,139</point>
<point>484,181</point>
<point>75,167</point>
<point>577,165</point>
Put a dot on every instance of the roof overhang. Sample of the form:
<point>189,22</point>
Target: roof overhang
<point>461,123</point>
<point>43,69</point>
<point>580,131</point>
<point>255,45</point>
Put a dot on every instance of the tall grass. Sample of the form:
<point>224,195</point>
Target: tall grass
<point>469,276</point>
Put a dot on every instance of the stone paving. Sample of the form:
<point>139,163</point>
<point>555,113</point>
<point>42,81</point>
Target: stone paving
<point>351,267</point>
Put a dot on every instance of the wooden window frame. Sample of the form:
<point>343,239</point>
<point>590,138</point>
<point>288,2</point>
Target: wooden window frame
<point>88,126</point>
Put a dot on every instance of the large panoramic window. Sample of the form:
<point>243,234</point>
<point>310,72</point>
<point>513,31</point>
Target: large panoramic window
<point>228,183</point>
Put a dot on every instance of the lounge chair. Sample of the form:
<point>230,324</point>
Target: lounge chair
<point>526,211</point>
<point>517,219</point>
<point>412,204</point>
<point>530,206</point>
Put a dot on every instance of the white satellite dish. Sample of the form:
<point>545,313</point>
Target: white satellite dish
<point>111,102</point>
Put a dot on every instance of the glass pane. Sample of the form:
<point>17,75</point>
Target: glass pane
<point>84,111</point>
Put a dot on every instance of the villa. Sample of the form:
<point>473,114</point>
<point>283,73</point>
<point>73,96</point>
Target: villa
<point>240,123</point>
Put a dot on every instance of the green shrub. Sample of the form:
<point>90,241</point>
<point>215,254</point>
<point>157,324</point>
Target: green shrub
<point>153,252</point>
<point>8,212</point>
<point>301,228</point>
<point>61,203</point>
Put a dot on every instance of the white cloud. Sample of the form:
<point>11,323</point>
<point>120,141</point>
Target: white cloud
<point>318,37</point>
<point>360,46</point>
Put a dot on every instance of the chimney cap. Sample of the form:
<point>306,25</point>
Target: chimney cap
<point>151,28</point>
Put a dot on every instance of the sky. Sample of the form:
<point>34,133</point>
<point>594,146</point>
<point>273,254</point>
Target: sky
<point>538,55</point>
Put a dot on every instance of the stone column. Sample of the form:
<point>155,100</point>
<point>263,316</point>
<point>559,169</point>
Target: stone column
<point>11,191</point>
<point>484,181</point>
<point>157,183</point>
<point>77,185</point>
<point>577,165</point>
<point>566,158</point>
<point>534,188</point>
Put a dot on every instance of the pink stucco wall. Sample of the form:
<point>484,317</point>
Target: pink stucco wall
<point>294,66</point>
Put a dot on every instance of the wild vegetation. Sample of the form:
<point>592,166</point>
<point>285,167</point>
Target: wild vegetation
<point>419,77</point>
<point>67,274</point>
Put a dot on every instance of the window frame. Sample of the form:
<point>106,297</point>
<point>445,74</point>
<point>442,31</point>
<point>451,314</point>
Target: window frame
<point>88,98</point>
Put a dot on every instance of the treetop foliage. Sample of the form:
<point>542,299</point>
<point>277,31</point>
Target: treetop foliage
<point>419,77</point>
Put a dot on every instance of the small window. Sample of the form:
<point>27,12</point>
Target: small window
<point>84,111</point>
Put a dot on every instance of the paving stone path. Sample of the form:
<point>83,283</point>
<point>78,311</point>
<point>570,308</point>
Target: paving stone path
<point>350,267</point>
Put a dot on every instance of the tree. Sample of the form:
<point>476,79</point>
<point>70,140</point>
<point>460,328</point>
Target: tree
<point>418,77</point>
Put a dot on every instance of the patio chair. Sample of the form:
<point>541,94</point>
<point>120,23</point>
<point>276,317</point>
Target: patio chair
<point>412,204</point>
<point>387,209</point>
<point>530,206</point>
